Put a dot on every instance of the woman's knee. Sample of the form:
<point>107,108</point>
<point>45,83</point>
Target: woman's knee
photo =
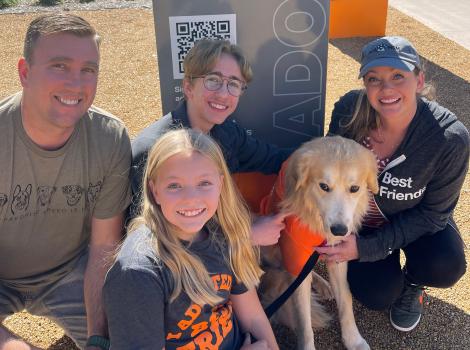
<point>440,271</point>
<point>451,275</point>
<point>376,291</point>
<point>437,260</point>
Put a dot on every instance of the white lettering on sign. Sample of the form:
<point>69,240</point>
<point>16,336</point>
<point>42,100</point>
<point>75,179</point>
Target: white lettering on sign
<point>299,71</point>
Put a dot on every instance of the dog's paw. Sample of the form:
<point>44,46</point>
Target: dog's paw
<point>305,346</point>
<point>358,344</point>
<point>322,287</point>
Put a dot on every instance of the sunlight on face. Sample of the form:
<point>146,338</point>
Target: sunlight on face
<point>392,92</point>
<point>208,108</point>
<point>187,188</point>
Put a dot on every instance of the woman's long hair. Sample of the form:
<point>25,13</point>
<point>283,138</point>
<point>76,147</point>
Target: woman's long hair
<point>230,227</point>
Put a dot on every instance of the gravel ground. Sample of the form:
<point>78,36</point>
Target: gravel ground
<point>129,88</point>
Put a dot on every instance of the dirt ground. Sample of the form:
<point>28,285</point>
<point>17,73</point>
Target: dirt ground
<point>129,88</point>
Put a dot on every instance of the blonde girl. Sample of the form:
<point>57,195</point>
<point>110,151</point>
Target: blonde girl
<point>185,276</point>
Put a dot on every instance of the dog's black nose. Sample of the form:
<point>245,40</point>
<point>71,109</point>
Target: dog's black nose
<point>339,229</point>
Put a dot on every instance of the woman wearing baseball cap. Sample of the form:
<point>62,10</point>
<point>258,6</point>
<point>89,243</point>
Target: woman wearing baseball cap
<point>423,152</point>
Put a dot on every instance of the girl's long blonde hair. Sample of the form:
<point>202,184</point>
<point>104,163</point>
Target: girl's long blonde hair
<point>365,118</point>
<point>230,226</point>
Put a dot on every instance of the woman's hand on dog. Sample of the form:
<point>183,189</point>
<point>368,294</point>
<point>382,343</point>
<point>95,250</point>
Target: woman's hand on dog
<point>346,250</point>
<point>266,230</point>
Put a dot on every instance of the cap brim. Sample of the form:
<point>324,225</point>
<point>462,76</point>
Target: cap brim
<point>387,62</point>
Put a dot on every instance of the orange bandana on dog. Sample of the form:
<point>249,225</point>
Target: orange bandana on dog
<point>297,241</point>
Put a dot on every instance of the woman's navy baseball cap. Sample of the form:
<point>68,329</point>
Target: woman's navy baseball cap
<point>389,51</point>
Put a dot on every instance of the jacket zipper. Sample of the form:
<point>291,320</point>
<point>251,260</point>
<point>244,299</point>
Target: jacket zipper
<point>393,163</point>
<point>390,165</point>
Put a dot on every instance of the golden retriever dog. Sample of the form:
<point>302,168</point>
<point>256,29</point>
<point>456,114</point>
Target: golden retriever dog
<point>324,184</point>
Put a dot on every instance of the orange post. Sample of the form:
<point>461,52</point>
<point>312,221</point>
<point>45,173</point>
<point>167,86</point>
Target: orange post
<point>351,18</point>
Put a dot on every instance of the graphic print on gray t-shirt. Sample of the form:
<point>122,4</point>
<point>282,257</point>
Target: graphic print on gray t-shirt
<point>137,300</point>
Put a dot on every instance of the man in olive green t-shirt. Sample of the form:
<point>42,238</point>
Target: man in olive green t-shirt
<point>63,184</point>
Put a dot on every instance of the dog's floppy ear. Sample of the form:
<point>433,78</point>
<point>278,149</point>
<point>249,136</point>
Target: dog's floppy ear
<point>290,177</point>
<point>298,172</point>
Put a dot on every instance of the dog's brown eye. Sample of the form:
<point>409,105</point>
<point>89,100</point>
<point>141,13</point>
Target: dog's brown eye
<point>324,187</point>
<point>354,189</point>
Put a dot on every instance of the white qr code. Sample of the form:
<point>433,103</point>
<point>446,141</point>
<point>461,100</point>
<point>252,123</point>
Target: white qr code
<point>186,30</point>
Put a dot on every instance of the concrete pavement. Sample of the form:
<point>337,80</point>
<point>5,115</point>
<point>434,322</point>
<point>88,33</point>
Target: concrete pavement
<point>451,18</point>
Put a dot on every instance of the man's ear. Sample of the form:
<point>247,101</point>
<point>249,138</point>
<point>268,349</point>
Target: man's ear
<point>23,71</point>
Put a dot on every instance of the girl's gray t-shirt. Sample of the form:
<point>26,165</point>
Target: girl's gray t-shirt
<point>137,294</point>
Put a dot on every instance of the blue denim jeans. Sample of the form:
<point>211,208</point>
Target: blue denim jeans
<point>63,302</point>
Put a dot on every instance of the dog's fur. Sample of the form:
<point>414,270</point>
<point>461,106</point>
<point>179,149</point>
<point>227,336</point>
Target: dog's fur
<point>326,182</point>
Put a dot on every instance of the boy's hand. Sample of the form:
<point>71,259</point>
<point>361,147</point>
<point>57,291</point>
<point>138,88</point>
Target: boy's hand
<point>266,230</point>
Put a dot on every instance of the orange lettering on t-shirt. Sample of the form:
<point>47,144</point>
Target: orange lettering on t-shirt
<point>215,327</point>
<point>226,282</point>
<point>222,282</point>
<point>204,341</point>
<point>210,336</point>
<point>192,312</point>
<point>198,328</point>
<point>189,346</point>
<point>216,280</point>
<point>225,320</point>
<point>171,336</point>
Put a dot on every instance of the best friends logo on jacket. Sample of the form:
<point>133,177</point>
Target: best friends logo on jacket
<point>400,184</point>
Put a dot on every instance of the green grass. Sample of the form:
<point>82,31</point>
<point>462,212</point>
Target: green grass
<point>7,3</point>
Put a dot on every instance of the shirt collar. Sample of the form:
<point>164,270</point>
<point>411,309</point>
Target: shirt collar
<point>180,115</point>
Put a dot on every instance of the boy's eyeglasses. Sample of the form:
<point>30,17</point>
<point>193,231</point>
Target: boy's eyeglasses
<point>214,82</point>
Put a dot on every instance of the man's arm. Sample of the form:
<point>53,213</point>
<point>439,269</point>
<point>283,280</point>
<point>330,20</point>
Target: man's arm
<point>138,323</point>
<point>105,236</point>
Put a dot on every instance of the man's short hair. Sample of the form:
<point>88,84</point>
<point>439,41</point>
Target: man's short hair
<point>54,23</point>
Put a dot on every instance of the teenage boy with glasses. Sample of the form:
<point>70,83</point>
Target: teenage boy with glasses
<point>216,75</point>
